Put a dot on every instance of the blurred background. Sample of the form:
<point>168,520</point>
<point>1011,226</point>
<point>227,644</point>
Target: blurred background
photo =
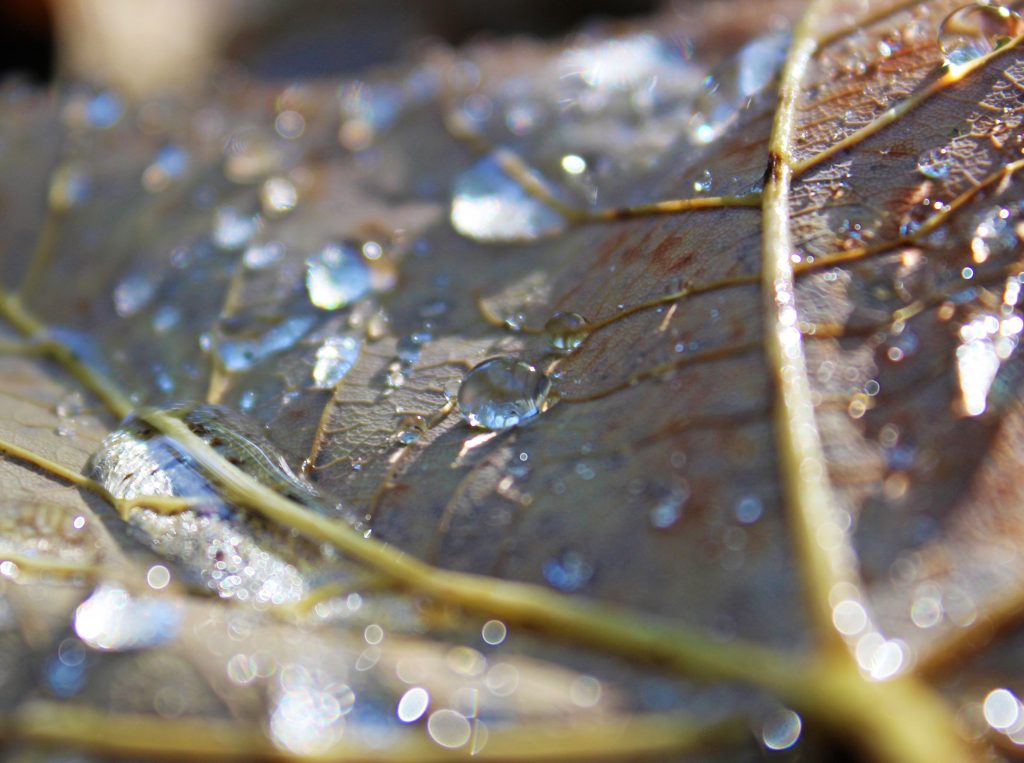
<point>142,45</point>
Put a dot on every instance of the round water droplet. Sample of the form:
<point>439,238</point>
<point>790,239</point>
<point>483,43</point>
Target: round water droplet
<point>488,205</point>
<point>569,572</point>
<point>278,196</point>
<point>413,705</point>
<point>337,276</point>
<point>565,331</point>
<point>668,508</point>
<point>976,30</point>
<point>703,183</point>
<point>410,429</point>
<point>781,730</point>
<point>232,230</point>
<point>935,163</point>
<point>503,392</point>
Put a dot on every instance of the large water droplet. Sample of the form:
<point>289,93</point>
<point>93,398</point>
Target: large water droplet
<point>728,89</point>
<point>488,205</point>
<point>976,30</point>
<point>503,392</point>
<point>565,331</point>
<point>334,359</point>
<point>337,276</point>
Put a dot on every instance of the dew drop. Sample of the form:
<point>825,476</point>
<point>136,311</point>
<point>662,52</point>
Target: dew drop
<point>334,359</point>
<point>565,331</point>
<point>781,730</point>
<point>410,429</point>
<point>488,205</point>
<point>232,230</point>
<point>132,294</point>
<point>413,705</point>
<point>337,276</point>
<point>668,508</point>
<point>278,196</point>
<point>503,392</point>
<point>703,182</point>
<point>568,572</point>
<point>239,355</point>
<point>976,30</point>
<point>935,163</point>
<point>1002,709</point>
<point>263,256</point>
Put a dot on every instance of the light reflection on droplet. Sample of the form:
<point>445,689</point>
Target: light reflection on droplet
<point>849,617</point>
<point>781,730</point>
<point>565,331</point>
<point>158,577</point>
<point>449,728</point>
<point>413,705</point>
<point>278,196</point>
<point>232,230</point>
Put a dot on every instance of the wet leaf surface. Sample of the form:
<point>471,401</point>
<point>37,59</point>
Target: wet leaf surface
<point>788,418</point>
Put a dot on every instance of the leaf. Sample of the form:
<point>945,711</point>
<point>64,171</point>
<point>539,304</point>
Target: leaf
<point>782,455</point>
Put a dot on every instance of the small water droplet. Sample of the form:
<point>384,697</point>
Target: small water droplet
<point>410,429</point>
<point>935,163</point>
<point>574,164</point>
<point>263,256</point>
<point>69,187</point>
<point>413,705</point>
<point>278,196</point>
<point>334,359</point>
<point>503,392</point>
<point>668,508</point>
<point>250,154</point>
<point>337,276</point>
<point>565,331</point>
<point>104,110</point>
<point>976,30</point>
<point>703,183</point>
<point>232,230</point>
<point>488,205</point>
<point>568,572</point>
<point>132,294</point>
<point>170,164</point>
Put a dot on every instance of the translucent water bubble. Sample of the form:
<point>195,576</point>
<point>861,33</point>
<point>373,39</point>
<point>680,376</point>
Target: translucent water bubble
<point>334,359</point>
<point>489,205</point>
<point>503,392</point>
<point>337,275</point>
<point>935,163</point>
<point>976,30</point>
<point>132,294</point>
<point>703,182</point>
<point>410,429</point>
<point>728,89</point>
<point>668,507</point>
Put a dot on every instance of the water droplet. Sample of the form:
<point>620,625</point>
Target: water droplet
<point>410,429</point>
<point>935,163</point>
<point>781,730</point>
<point>494,632</point>
<point>132,294</point>
<point>749,509</point>
<point>995,233</point>
<point>569,572</point>
<point>503,392</point>
<point>574,164</point>
<point>449,728</point>
<point>232,230</point>
<point>334,359</point>
<point>69,187</point>
<point>112,619</point>
<point>703,183</point>
<point>170,164</point>
<point>976,30</point>
<point>337,276</point>
<point>488,205</point>
<point>104,110</point>
<point>250,154</point>
<point>728,89</point>
<point>413,705</point>
<point>1002,709</point>
<point>668,508</point>
<point>239,355</point>
<point>565,331</point>
<point>278,196</point>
